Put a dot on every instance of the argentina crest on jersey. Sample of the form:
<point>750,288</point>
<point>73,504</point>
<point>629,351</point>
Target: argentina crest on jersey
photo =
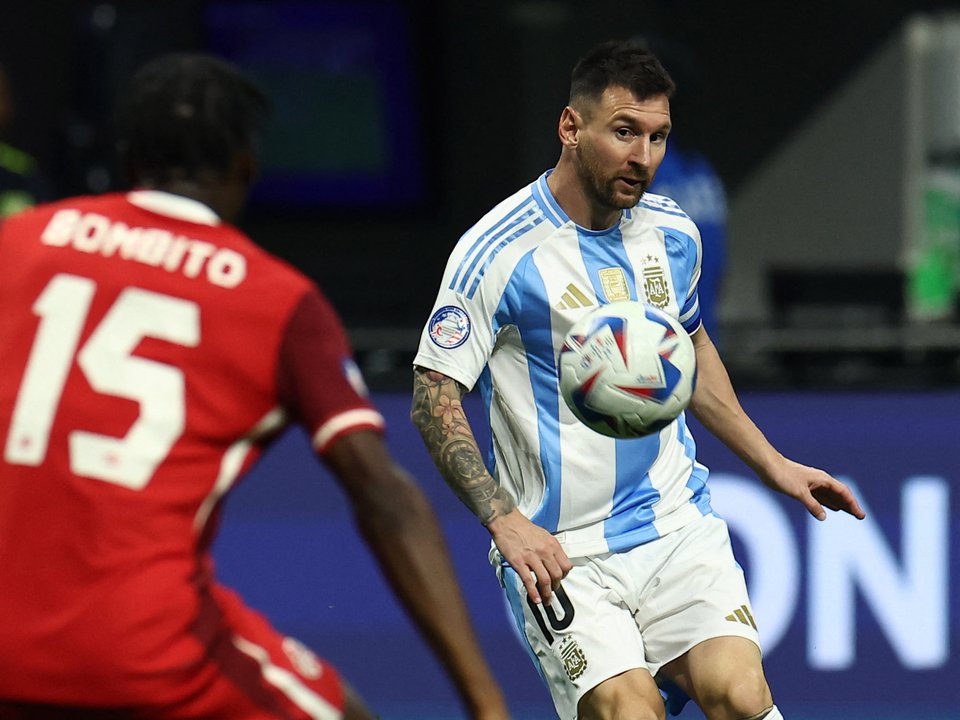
<point>654,283</point>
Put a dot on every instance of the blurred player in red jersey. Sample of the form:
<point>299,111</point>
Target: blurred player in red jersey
<point>150,351</point>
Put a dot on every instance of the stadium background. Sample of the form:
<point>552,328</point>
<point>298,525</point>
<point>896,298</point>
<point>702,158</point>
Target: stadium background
<point>442,108</point>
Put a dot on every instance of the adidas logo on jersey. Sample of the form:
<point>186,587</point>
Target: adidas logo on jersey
<point>573,298</point>
<point>742,615</point>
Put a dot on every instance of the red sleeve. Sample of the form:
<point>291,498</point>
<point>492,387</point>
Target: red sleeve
<point>319,383</point>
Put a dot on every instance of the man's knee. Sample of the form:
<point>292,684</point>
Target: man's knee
<point>630,696</point>
<point>745,696</point>
<point>621,709</point>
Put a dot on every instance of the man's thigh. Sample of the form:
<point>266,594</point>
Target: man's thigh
<point>697,593</point>
<point>584,637</point>
<point>632,694</point>
<point>708,672</point>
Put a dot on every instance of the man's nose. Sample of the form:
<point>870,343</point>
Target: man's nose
<point>641,152</point>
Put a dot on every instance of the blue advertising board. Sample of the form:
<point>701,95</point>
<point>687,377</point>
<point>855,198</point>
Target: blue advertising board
<point>858,619</point>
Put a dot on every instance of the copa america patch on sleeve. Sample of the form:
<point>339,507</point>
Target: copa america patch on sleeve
<point>450,327</point>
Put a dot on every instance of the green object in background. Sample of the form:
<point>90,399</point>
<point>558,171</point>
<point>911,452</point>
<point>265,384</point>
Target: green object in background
<point>16,170</point>
<point>933,278</point>
<point>14,201</point>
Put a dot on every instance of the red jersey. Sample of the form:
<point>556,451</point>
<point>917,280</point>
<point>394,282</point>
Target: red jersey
<point>149,353</point>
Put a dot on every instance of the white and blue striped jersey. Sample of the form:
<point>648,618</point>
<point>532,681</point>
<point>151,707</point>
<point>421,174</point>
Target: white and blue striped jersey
<point>514,285</point>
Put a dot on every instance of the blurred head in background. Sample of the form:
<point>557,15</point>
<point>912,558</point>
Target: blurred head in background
<point>189,124</point>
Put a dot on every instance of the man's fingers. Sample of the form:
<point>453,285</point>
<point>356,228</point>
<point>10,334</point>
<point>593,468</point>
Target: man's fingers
<point>539,585</point>
<point>840,498</point>
<point>530,583</point>
<point>815,508</point>
<point>556,572</point>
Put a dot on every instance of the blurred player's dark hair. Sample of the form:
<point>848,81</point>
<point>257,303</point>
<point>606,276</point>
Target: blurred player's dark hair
<point>619,62</point>
<point>185,112</point>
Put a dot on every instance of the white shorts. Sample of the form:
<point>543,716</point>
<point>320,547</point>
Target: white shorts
<point>636,609</point>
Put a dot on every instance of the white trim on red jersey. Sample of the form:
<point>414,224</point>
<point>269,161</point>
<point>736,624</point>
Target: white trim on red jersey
<point>339,424</point>
<point>232,463</point>
<point>177,206</point>
<point>285,681</point>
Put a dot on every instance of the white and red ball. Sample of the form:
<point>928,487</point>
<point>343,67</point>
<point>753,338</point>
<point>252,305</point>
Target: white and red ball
<point>627,369</point>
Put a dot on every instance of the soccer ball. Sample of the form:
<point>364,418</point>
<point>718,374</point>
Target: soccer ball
<point>627,369</point>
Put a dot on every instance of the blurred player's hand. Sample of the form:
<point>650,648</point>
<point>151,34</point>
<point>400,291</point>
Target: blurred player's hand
<point>533,552</point>
<point>814,488</point>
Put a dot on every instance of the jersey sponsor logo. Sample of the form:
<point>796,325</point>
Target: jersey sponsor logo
<point>573,658</point>
<point>655,285</point>
<point>449,327</point>
<point>614,283</point>
<point>94,233</point>
<point>573,298</point>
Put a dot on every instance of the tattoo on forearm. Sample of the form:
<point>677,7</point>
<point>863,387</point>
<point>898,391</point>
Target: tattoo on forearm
<point>438,413</point>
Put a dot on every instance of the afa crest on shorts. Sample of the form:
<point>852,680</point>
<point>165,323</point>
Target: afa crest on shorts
<point>450,327</point>
<point>574,661</point>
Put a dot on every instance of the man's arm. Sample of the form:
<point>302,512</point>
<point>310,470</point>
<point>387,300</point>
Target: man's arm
<point>715,404</point>
<point>532,551</point>
<point>401,529</point>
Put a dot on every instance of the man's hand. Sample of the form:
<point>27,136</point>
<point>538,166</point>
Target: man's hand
<point>814,488</point>
<point>534,553</point>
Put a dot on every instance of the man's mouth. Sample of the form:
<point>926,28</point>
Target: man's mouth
<point>634,182</point>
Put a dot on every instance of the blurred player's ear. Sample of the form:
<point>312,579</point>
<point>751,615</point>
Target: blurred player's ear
<point>247,167</point>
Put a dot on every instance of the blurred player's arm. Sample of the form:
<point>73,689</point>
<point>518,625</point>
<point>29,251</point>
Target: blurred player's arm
<point>321,387</point>
<point>401,529</point>
<point>715,404</point>
<point>438,414</point>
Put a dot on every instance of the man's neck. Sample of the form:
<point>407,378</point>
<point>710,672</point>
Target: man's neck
<point>213,196</point>
<point>568,191</point>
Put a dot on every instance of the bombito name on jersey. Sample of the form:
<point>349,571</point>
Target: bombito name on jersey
<point>94,233</point>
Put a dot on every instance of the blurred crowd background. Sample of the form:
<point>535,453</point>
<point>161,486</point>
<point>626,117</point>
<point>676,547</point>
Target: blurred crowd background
<point>826,139</point>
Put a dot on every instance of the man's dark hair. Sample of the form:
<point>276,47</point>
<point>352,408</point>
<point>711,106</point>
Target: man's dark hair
<point>622,63</point>
<point>185,112</point>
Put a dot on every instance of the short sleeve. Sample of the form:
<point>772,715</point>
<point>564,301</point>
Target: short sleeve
<point>459,336</point>
<point>318,380</point>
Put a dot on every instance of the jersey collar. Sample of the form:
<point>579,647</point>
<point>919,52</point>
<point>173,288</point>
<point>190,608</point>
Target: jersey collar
<point>176,206</point>
<point>551,208</point>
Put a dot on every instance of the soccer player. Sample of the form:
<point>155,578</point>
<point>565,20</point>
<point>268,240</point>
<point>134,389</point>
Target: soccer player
<point>150,351</point>
<point>650,589</point>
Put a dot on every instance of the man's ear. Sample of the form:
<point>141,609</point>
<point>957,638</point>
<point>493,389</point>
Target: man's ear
<point>569,128</point>
<point>247,167</point>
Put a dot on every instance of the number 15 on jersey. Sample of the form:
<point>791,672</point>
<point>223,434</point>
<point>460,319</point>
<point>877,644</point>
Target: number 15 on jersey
<point>107,362</point>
